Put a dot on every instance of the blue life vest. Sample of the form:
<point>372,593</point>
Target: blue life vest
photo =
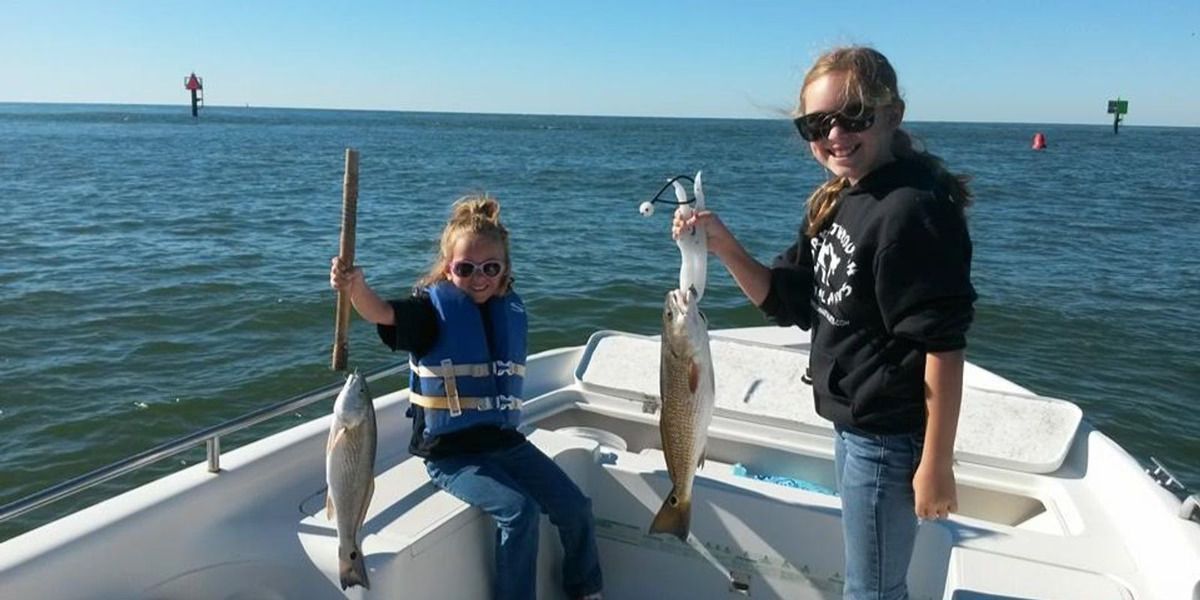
<point>459,382</point>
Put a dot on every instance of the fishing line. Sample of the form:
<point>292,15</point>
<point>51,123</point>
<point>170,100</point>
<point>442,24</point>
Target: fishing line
<point>647,207</point>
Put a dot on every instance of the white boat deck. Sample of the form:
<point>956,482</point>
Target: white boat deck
<point>1049,507</point>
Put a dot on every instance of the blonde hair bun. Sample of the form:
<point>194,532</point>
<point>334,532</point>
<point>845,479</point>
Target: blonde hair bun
<point>474,214</point>
<point>476,207</point>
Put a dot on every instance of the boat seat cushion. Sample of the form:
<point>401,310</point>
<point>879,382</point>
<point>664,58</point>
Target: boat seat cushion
<point>1023,432</point>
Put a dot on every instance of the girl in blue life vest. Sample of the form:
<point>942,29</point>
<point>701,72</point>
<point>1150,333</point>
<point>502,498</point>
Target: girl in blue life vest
<point>466,331</point>
<point>880,272</point>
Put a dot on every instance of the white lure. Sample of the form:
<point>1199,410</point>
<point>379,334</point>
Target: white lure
<point>693,244</point>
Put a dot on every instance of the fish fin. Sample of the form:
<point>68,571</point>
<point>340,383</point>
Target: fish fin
<point>329,442</point>
<point>674,517</point>
<point>693,377</point>
<point>352,568</point>
<point>334,436</point>
<point>703,455</point>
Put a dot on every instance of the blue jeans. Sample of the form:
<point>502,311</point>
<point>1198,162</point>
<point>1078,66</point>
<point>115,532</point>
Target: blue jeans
<point>879,521</point>
<point>515,486</point>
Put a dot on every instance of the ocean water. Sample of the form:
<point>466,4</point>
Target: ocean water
<point>159,274</point>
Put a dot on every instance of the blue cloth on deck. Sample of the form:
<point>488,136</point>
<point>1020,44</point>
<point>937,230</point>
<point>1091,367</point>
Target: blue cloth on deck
<point>741,471</point>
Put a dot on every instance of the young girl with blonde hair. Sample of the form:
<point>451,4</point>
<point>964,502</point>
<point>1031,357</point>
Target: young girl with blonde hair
<point>466,331</point>
<point>880,273</point>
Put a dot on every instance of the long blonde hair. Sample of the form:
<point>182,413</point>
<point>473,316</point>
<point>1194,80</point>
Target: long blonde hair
<point>474,215</point>
<point>871,83</point>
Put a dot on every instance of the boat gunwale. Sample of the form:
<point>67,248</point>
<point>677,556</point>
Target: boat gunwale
<point>210,436</point>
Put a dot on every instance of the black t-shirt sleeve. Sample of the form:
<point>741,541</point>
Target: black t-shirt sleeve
<point>789,298</point>
<point>923,274</point>
<point>415,328</point>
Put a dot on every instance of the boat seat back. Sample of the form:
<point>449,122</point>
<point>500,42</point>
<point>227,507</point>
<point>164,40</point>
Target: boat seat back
<point>1021,432</point>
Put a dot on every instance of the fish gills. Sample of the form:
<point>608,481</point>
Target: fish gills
<point>350,474</point>
<point>686,388</point>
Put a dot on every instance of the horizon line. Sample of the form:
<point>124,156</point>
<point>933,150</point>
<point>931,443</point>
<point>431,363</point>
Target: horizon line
<point>535,114</point>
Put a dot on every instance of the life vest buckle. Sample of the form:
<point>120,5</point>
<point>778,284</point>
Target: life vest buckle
<point>451,384</point>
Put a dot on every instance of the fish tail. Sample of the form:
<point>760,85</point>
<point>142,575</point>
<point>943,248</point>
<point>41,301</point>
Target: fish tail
<point>352,569</point>
<point>674,517</point>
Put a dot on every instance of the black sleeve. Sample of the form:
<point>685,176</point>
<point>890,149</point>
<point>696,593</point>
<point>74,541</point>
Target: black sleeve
<point>923,276</point>
<point>789,298</point>
<point>415,328</point>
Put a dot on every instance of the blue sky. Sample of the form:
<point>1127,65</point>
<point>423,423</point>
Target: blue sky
<point>1011,61</point>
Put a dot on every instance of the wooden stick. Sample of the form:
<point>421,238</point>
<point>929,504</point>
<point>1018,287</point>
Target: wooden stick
<point>341,330</point>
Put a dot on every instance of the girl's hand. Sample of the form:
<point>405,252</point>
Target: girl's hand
<point>341,278</point>
<point>720,239</point>
<point>934,490</point>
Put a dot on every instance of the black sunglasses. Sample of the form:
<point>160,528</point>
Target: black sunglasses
<point>465,268</point>
<point>816,126</point>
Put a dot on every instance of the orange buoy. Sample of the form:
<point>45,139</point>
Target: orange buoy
<point>1039,141</point>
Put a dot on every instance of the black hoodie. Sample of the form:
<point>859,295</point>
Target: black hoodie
<point>887,280</point>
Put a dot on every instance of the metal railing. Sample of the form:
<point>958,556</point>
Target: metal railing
<point>210,436</point>
<point>1190,507</point>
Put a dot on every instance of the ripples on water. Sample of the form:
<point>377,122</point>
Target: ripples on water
<point>160,275</point>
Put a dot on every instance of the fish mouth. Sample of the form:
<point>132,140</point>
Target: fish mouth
<point>679,301</point>
<point>682,307</point>
<point>680,304</point>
